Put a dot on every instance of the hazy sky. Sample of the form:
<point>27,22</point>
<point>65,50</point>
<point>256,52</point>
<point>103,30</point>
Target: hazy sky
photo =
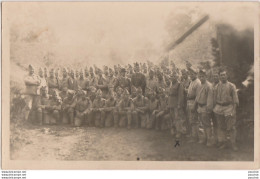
<point>99,31</point>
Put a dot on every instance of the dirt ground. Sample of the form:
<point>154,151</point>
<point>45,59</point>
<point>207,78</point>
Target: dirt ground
<point>88,143</point>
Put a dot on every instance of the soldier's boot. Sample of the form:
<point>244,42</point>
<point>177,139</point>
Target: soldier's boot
<point>39,116</point>
<point>208,136</point>
<point>116,119</point>
<point>129,119</point>
<point>233,139</point>
<point>202,135</point>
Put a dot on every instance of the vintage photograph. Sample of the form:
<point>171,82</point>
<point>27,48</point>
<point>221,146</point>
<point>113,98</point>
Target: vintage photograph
<point>130,81</point>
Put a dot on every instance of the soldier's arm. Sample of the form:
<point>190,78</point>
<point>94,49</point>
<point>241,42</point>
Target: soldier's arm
<point>31,82</point>
<point>234,95</point>
<point>210,99</point>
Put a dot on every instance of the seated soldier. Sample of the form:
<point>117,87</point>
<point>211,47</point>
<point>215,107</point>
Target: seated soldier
<point>162,116</point>
<point>107,115</point>
<point>68,107</point>
<point>97,107</point>
<point>52,111</point>
<point>41,111</point>
<point>140,113</point>
<point>153,110</point>
<point>123,111</point>
<point>82,108</point>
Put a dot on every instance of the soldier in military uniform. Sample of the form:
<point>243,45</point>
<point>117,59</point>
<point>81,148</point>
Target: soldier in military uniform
<point>162,116</point>
<point>77,74</point>
<point>42,78</point>
<point>97,108</point>
<point>73,83</point>
<point>32,91</point>
<point>68,107</point>
<point>176,96</point>
<point>82,108</point>
<point>107,115</point>
<point>153,110</point>
<point>123,116</point>
<point>102,83</point>
<point>151,82</point>
<point>49,110</point>
<point>141,107</point>
<point>53,83</point>
<point>92,78</point>
<point>122,81</point>
<point>64,82</point>
<point>138,79</point>
<point>204,101</point>
<point>193,123</point>
<point>111,80</point>
<point>41,113</point>
<point>45,73</point>
<point>225,110</point>
<point>82,82</point>
<point>214,119</point>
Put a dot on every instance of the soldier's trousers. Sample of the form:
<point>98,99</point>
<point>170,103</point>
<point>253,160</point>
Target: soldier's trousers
<point>122,119</point>
<point>176,121</point>
<point>107,118</point>
<point>95,118</point>
<point>80,118</point>
<point>192,120</point>
<point>140,119</point>
<point>204,119</point>
<point>68,116</point>
<point>31,103</point>
<point>227,128</point>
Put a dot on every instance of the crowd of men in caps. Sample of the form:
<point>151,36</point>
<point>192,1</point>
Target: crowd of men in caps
<point>189,103</point>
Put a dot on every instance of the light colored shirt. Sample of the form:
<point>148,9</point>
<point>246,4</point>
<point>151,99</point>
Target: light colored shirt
<point>193,88</point>
<point>205,97</point>
<point>32,83</point>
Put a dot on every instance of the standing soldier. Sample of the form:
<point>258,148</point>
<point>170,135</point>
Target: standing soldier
<point>77,74</point>
<point>102,83</point>
<point>151,82</point>
<point>64,82</point>
<point>122,81</point>
<point>53,83</point>
<point>82,108</point>
<point>86,72</point>
<point>141,107</point>
<point>111,80</point>
<point>204,101</point>
<point>193,124</point>
<point>123,112</point>
<point>138,79</point>
<point>42,78</point>
<point>82,82</point>
<point>68,107</point>
<point>32,91</point>
<point>176,95</point>
<point>225,110</point>
<point>214,119</point>
<point>107,115</point>
<point>92,78</point>
<point>57,77</point>
<point>45,73</point>
<point>97,107</point>
<point>73,84</point>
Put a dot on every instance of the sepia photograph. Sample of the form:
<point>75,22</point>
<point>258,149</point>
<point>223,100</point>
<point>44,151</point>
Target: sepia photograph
<point>129,81</point>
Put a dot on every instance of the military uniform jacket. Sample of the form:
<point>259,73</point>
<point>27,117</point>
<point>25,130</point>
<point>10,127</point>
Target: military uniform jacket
<point>124,83</point>
<point>31,85</point>
<point>52,82</point>
<point>99,103</point>
<point>73,84</point>
<point>142,102</point>
<point>67,102</point>
<point>64,82</point>
<point>138,80</point>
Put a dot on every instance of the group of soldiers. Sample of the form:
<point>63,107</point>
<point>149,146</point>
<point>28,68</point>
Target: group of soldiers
<point>189,103</point>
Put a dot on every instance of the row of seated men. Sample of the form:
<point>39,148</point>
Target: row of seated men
<point>117,109</point>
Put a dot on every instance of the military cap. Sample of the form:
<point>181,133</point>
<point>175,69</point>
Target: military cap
<point>31,66</point>
<point>202,71</point>
<point>99,92</point>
